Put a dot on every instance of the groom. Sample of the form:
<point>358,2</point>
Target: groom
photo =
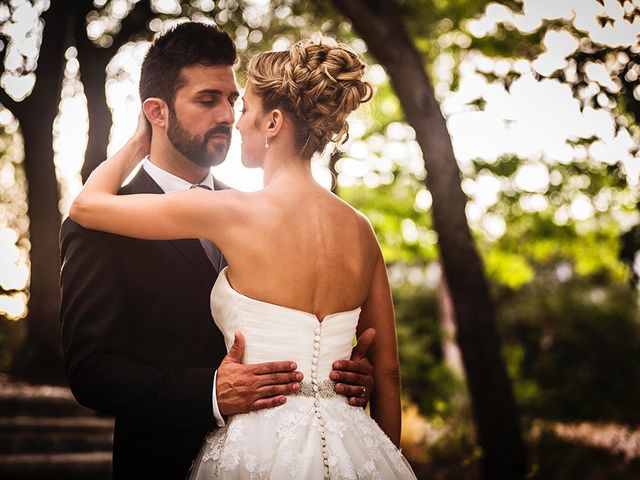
<point>138,338</point>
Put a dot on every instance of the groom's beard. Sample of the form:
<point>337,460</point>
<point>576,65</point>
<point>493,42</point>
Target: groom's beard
<point>196,148</point>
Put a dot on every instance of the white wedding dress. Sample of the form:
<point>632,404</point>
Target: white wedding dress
<point>316,434</point>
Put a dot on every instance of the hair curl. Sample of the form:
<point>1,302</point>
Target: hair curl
<point>318,84</point>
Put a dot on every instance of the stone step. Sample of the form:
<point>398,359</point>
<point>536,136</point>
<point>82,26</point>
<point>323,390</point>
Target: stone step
<point>58,442</point>
<point>85,466</point>
<point>45,400</point>
<point>55,435</point>
<point>67,424</point>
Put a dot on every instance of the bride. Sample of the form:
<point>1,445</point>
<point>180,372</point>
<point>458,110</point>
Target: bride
<point>305,272</point>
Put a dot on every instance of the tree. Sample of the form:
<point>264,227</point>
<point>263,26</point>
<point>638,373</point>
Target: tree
<point>40,356</point>
<point>64,26</point>
<point>93,60</point>
<point>380,24</point>
<point>601,70</point>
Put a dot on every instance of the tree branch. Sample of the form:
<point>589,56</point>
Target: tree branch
<point>134,23</point>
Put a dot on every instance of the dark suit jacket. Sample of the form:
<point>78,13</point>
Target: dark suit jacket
<point>139,341</point>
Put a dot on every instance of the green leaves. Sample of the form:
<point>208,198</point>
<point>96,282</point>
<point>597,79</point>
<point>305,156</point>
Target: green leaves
<point>510,269</point>
<point>405,233</point>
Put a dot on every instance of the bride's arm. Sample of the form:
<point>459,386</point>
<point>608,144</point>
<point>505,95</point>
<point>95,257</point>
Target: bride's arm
<point>377,312</point>
<point>190,214</point>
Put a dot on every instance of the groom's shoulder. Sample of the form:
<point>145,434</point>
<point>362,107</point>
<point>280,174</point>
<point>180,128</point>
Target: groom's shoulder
<point>72,229</point>
<point>69,226</point>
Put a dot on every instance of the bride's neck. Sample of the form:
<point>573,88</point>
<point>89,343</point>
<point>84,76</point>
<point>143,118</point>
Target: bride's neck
<point>279,166</point>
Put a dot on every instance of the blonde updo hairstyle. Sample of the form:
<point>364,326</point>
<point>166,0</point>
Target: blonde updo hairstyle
<point>317,84</point>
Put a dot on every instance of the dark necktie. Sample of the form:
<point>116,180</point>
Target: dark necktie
<point>213,253</point>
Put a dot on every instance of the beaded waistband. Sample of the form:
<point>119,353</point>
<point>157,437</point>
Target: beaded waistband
<point>323,389</point>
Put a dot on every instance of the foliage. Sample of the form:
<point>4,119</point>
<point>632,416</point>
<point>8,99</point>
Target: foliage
<point>618,55</point>
<point>390,208</point>
<point>602,69</point>
<point>568,318</point>
<point>426,378</point>
<point>578,217</point>
<point>554,277</point>
<point>554,458</point>
<point>569,346</point>
<point>453,454</point>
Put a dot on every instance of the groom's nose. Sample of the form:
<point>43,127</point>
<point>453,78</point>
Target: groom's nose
<point>227,114</point>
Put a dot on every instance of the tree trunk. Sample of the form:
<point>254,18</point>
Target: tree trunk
<point>39,357</point>
<point>447,318</point>
<point>93,65</point>
<point>495,412</point>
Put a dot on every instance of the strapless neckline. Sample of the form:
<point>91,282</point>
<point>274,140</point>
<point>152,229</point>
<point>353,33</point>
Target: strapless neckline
<point>311,316</point>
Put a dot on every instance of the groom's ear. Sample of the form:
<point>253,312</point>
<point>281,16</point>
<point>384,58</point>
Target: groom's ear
<point>156,111</point>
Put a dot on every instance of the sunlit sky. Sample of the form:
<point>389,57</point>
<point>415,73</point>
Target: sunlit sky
<point>534,119</point>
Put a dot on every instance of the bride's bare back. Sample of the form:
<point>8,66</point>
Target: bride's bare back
<point>302,247</point>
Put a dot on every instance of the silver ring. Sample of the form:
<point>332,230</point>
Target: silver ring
<point>364,391</point>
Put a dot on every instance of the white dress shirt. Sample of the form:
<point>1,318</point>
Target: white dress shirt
<point>169,183</point>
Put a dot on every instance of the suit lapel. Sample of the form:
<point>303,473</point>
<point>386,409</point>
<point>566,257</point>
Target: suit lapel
<point>193,253</point>
<point>218,185</point>
<point>190,249</point>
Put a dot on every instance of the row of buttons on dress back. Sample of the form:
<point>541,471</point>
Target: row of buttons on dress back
<point>316,400</point>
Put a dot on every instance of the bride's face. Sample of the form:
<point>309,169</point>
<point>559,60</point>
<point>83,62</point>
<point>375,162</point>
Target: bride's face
<point>252,128</point>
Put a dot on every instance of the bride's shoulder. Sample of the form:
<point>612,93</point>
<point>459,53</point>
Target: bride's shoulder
<point>360,218</point>
<point>363,224</point>
<point>246,205</point>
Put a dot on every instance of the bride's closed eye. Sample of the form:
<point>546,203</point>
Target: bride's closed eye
<point>243,105</point>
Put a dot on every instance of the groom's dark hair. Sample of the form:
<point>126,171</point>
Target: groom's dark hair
<point>183,45</point>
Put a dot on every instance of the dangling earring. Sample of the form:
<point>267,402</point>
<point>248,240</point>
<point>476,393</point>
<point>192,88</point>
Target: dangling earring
<point>266,141</point>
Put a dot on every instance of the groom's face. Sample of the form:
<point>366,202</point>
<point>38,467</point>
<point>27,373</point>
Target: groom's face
<point>201,117</point>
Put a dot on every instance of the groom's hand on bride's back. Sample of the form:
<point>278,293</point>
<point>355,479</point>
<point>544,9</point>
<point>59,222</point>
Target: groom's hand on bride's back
<point>245,388</point>
<point>354,377</point>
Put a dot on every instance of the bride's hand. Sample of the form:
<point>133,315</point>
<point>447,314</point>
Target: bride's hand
<point>142,135</point>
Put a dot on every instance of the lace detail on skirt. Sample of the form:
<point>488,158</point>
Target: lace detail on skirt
<point>286,443</point>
